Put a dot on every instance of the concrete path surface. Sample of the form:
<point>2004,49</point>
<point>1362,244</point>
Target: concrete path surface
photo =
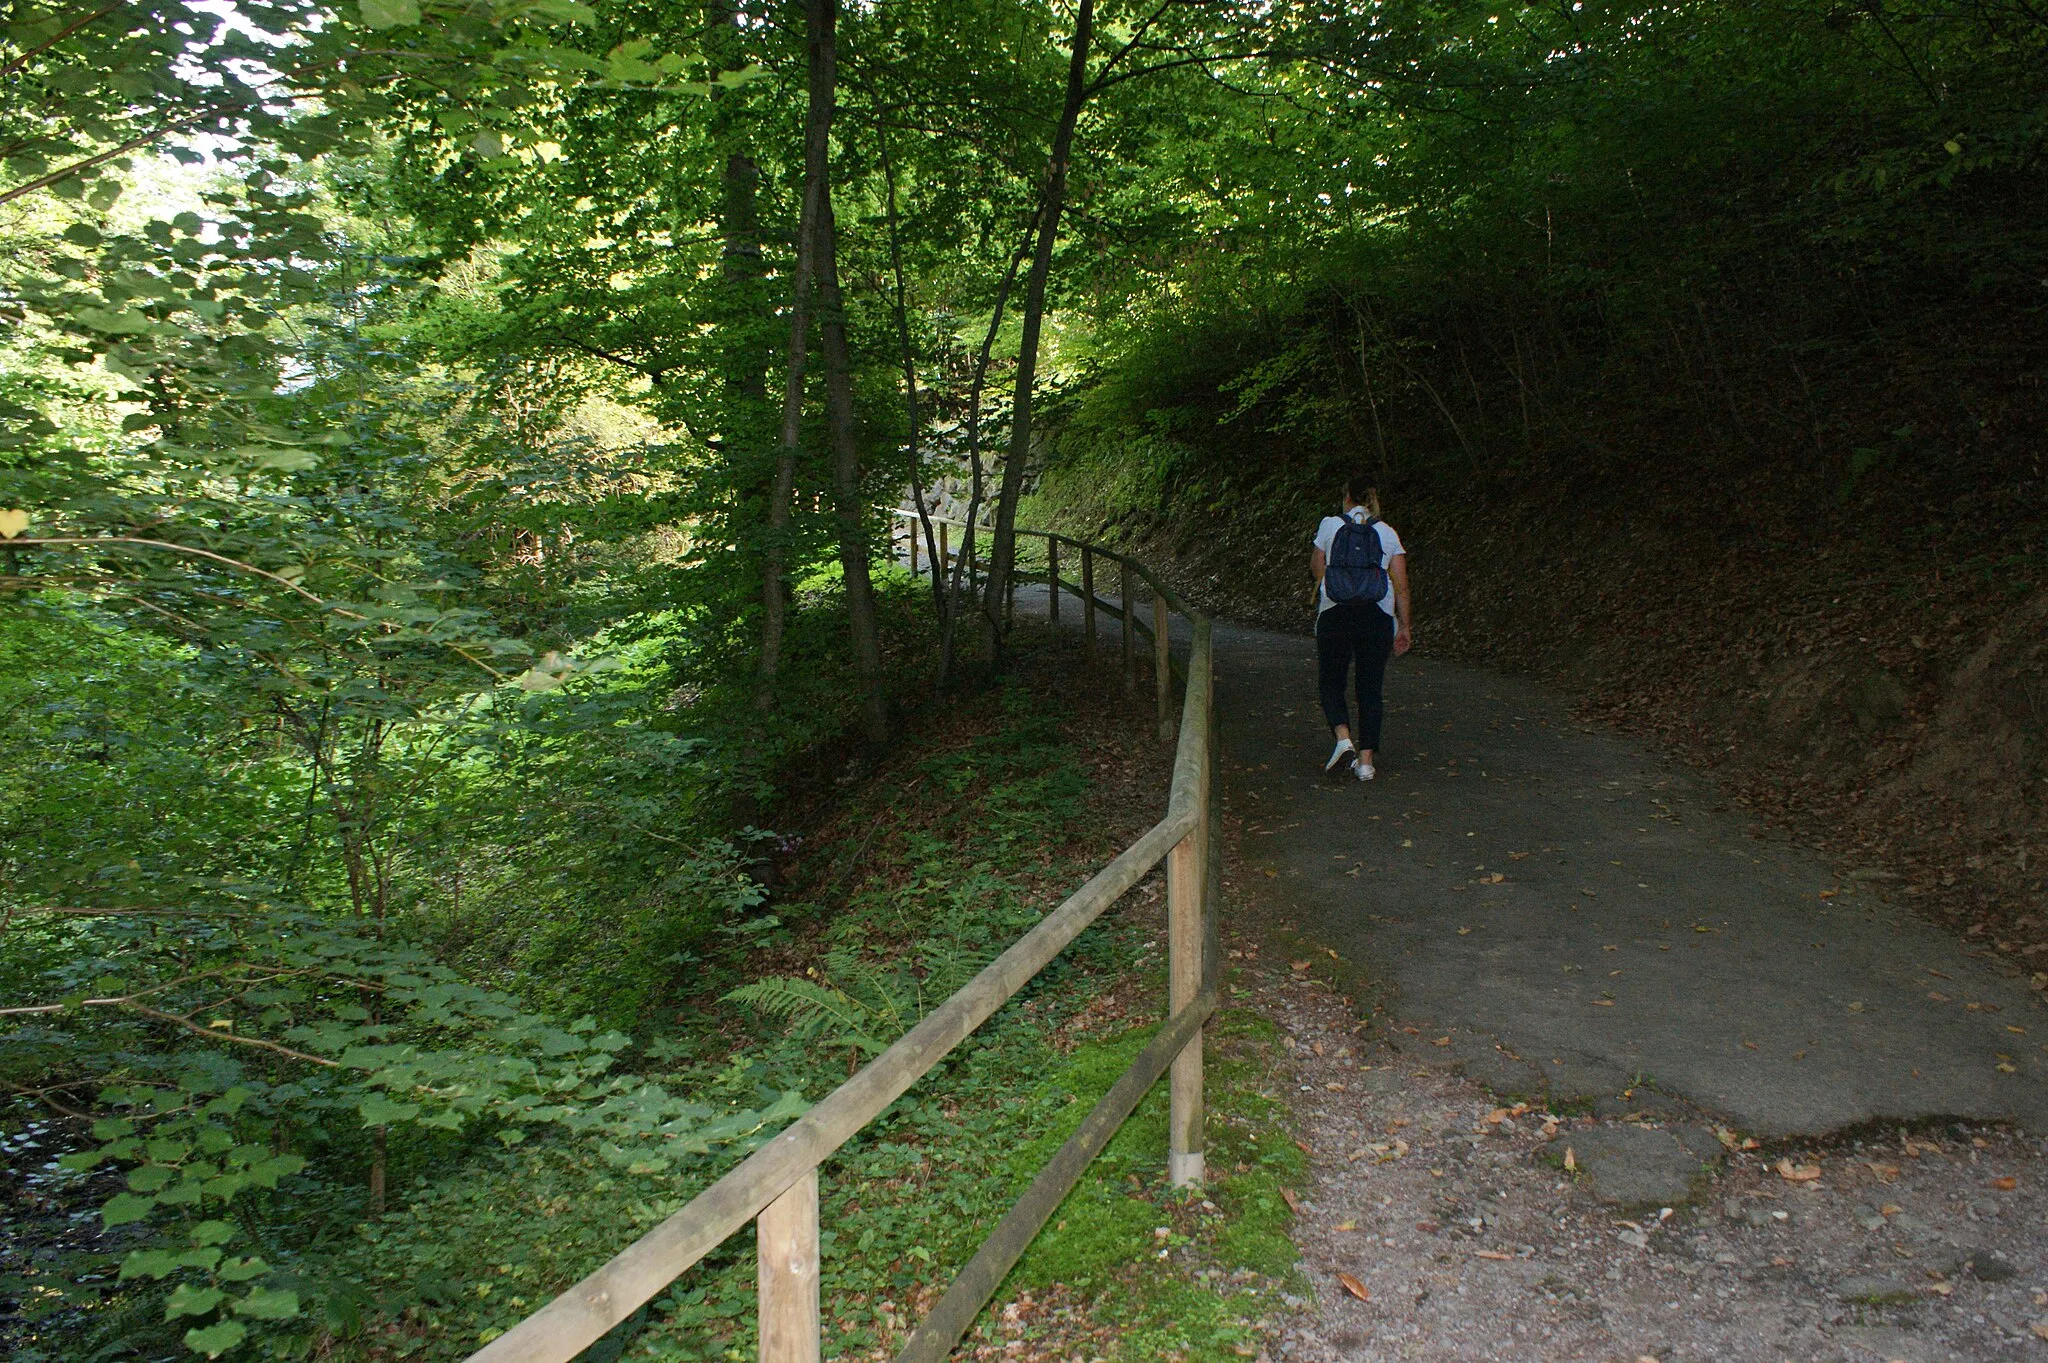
<point>1579,915</point>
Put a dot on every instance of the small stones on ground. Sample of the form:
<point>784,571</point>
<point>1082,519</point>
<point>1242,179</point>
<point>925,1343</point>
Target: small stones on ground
<point>1875,1289</point>
<point>1507,1226</point>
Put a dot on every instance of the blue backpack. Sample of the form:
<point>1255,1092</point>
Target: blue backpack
<point>1353,571</point>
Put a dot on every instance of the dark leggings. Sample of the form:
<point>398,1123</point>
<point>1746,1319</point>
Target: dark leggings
<point>1362,631</point>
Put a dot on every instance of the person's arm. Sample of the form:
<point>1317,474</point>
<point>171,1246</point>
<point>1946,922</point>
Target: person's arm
<point>1317,564</point>
<point>1397,571</point>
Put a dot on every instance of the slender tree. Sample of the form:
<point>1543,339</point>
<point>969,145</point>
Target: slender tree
<point>820,22</point>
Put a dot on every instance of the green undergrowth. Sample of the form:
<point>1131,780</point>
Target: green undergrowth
<point>1171,1273</point>
<point>919,877</point>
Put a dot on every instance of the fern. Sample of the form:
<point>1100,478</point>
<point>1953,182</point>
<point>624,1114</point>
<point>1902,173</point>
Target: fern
<point>860,1003</point>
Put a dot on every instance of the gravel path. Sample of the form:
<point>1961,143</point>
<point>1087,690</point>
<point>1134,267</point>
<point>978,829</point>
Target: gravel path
<point>1469,1239</point>
<point>1588,1067</point>
<point>1578,913</point>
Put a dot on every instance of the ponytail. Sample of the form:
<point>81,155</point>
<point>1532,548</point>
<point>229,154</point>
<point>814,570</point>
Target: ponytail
<point>1360,492</point>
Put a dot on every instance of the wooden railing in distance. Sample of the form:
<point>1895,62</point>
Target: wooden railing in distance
<point>777,1185</point>
<point>905,532</point>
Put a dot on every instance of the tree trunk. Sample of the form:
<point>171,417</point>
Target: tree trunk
<point>774,592</point>
<point>914,423</point>
<point>949,618</point>
<point>1003,559</point>
<point>851,514</point>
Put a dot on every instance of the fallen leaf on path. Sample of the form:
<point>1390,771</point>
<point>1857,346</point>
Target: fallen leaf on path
<point>1797,1173</point>
<point>1293,1202</point>
<point>1303,1146</point>
<point>1354,1287</point>
<point>1496,1116</point>
<point>1299,965</point>
<point>2006,1184</point>
<point>1603,1003</point>
<point>1441,1041</point>
<point>2040,1327</point>
<point>1937,996</point>
<point>2006,1067</point>
<point>1464,932</point>
<point>1494,1254</point>
<point>1345,1226</point>
<point>1883,1173</point>
<point>1571,1159</point>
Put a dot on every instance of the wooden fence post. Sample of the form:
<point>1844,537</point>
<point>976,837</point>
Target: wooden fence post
<point>1212,881</point>
<point>1162,664</point>
<point>1088,605</point>
<point>1130,663</point>
<point>1052,579</point>
<point>787,1230</point>
<point>1187,875</point>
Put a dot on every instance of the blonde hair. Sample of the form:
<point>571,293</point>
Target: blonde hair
<point>1359,492</point>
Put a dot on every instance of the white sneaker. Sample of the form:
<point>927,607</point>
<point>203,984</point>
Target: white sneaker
<point>1339,755</point>
<point>1364,770</point>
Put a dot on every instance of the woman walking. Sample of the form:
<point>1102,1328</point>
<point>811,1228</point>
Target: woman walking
<point>1362,618</point>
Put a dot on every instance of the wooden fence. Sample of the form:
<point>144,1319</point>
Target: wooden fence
<point>906,547</point>
<point>777,1185</point>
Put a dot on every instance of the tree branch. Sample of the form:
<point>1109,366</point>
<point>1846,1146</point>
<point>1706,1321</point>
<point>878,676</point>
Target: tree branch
<point>59,36</point>
<point>81,541</point>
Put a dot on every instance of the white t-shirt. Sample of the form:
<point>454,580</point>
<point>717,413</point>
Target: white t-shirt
<point>1390,545</point>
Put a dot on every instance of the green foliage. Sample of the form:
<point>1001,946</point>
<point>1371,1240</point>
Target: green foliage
<point>1562,250</point>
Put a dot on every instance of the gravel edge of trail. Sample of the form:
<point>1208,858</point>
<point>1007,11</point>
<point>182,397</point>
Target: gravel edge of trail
<point>1470,1239</point>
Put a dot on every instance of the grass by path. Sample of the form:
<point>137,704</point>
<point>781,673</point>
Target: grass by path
<point>919,869</point>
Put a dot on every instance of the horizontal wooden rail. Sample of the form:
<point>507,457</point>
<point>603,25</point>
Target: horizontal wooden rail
<point>763,1182</point>
<point>1144,573</point>
<point>955,1313</point>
